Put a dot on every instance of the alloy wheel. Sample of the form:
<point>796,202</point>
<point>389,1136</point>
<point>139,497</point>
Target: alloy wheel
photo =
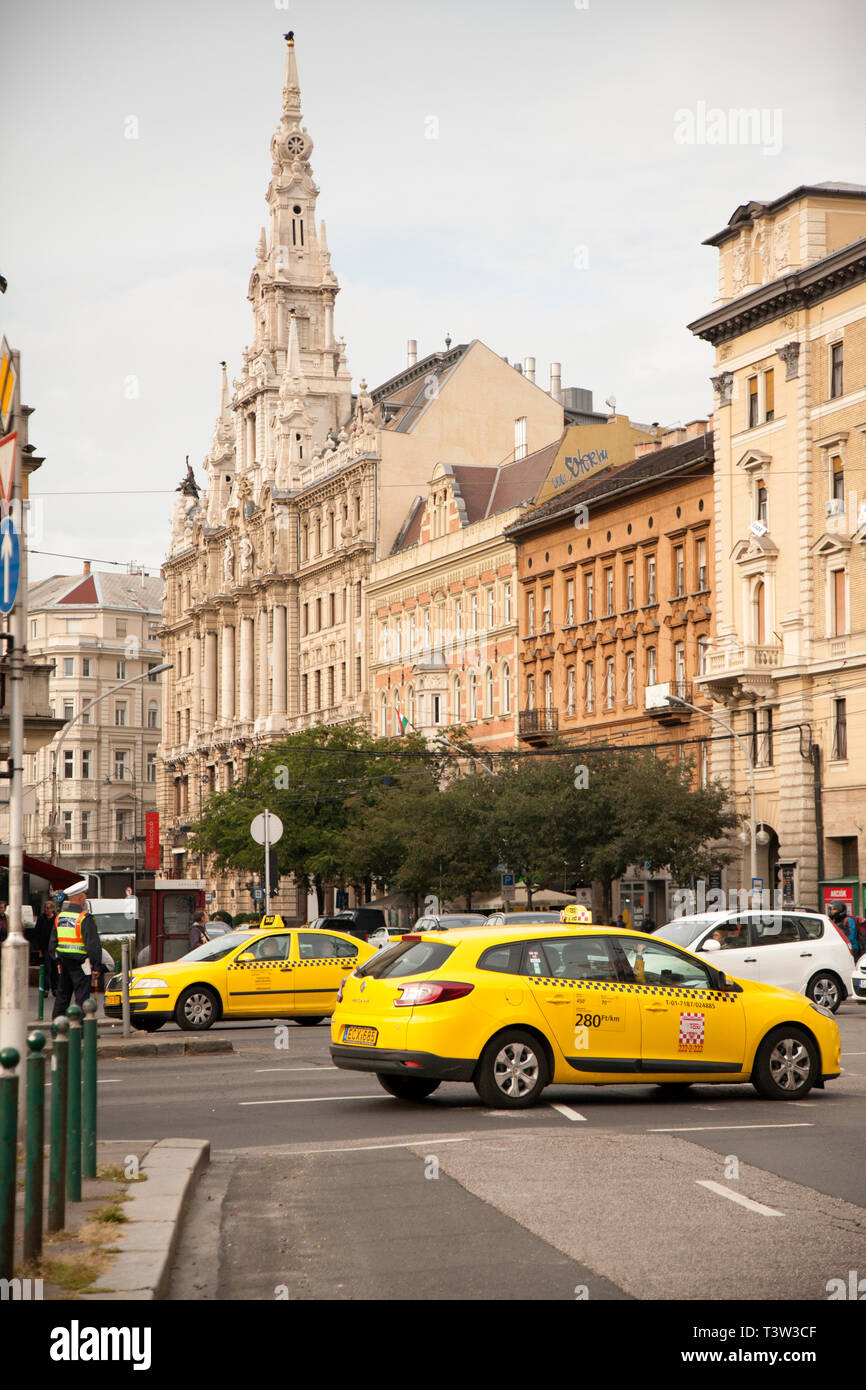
<point>198,1008</point>
<point>515,1069</point>
<point>789,1064</point>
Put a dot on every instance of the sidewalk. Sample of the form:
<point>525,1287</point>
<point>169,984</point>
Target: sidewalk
<point>118,1242</point>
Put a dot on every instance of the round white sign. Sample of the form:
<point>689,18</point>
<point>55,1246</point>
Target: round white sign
<point>275,828</point>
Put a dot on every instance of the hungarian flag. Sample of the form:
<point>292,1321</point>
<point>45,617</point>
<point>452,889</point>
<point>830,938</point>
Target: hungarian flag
<point>402,723</point>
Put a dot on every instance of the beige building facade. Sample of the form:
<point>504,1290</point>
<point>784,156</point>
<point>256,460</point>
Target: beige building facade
<point>99,630</point>
<point>787,663</point>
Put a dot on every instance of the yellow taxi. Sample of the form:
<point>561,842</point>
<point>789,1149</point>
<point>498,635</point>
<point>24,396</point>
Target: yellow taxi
<point>272,972</point>
<point>515,1012</point>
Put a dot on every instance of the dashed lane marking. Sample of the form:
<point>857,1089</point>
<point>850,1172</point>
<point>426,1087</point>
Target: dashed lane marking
<point>702,1129</point>
<point>567,1111</point>
<point>738,1198</point>
<point>311,1100</point>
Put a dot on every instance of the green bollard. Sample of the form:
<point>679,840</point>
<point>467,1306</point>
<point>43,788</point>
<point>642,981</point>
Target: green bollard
<point>73,1107</point>
<point>88,1104</point>
<point>57,1156</point>
<point>9,1059</point>
<point>41,993</point>
<point>34,1148</point>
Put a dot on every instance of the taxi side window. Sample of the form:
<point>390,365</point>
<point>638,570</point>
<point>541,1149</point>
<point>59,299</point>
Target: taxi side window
<point>270,948</point>
<point>657,963</point>
<point>574,958</point>
<point>503,959</point>
<point>319,946</point>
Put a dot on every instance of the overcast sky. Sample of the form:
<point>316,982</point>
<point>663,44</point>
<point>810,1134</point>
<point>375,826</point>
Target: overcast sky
<point>555,214</point>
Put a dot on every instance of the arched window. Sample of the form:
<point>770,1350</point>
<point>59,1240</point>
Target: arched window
<point>331,531</point>
<point>457,700</point>
<point>530,693</point>
<point>506,689</point>
<point>473,696</point>
<point>153,716</point>
<point>488,692</point>
<point>548,690</point>
<point>383,715</point>
<point>758,613</point>
<point>411,698</point>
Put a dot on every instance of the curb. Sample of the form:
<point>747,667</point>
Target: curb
<point>154,1214</point>
<point>187,1047</point>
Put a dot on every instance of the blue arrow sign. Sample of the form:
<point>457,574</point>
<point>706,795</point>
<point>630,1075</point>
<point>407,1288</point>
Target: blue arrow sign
<point>10,564</point>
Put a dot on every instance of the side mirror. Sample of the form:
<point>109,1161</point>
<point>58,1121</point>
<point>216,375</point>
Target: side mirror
<point>711,944</point>
<point>246,955</point>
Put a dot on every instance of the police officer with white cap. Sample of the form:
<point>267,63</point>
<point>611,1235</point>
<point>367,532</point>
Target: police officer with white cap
<point>74,937</point>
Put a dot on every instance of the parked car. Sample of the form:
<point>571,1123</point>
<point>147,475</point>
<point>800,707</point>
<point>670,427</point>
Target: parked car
<point>361,922</point>
<point>789,948</point>
<point>858,981</point>
<point>447,921</point>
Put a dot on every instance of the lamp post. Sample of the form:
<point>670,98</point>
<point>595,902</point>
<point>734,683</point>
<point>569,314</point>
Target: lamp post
<point>750,768</point>
<point>54,829</point>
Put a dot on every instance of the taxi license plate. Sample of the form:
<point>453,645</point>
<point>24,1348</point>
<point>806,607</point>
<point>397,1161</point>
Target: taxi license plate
<point>352,1034</point>
<point>112,999</point>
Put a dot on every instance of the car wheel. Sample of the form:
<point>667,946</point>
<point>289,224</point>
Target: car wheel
<point>826,989</point>
<point>786,1064</point>
<point>197,1009</point>
<point>310,1020</point>
<point>512,1071</point>
<point>407,1087</point>
<point>147,1025</point>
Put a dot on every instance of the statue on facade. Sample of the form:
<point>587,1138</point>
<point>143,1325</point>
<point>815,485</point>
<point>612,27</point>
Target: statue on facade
<point>246,553</point>
<point>228,562</point>
<point>188,487</point>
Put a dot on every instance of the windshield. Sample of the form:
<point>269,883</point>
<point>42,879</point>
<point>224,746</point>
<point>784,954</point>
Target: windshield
<point>682,931</point>
<point>215,950</point>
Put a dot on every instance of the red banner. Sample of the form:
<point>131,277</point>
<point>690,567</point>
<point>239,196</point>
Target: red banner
<point>151,840</point>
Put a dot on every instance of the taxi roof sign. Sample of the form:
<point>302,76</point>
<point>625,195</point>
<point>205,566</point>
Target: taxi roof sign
<point>576,912</point>
<point>273,921</point>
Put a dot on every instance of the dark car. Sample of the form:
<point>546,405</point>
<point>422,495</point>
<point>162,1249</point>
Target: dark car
<point>361,922</point>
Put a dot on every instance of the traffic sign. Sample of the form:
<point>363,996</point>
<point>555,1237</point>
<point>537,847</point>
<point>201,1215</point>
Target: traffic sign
<point>274,828</point>
<point>8,377</point>
<point>8,451</point>
<point>508,880</point>
<point>258,894</point>
<point>10,564</point>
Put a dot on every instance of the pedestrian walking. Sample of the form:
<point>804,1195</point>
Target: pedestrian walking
<point>846,927</point>
<point>74,939</point>
<point>40,935</point>
<point>197,934</point>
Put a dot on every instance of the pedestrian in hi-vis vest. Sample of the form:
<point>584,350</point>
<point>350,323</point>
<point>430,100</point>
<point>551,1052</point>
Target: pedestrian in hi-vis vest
<point>74,938</point>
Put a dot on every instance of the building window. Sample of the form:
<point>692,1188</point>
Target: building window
<point>548,621</point>
<point>548,691</point>
<point>609,683</point>
<point>651,579</point>
<point>85,667</point>
<point>457,695</point>
<point>836,383</point>
<point>651,668</point>
<point>69,666</point>
<point>473,614</point>
<point>85,763</point>
<point>569,690</point>
<point>458,618</point>
<point>703,646</point>
<point>530,693</point>
<point>305,541</point>
<point>121,825</point>
<point>765,741</point>
<point>769,396</point>
<point>304,695</point>
<point>488,693</point>
<point>762,512</point>
<point>305,619</point>
<point>331,531</point>
<point>34,627</point>
<point>473,696</point>
<point>413,635</point>
<point>437,709</point>
<point>530,612</point>
<point>608,591</point>
<point>569,602</point>
<point>317,688</point>
<point>704,765</point>
<point>679,572</point>
<point>68,763</point>
<point>506,689</point>
<point>520,438</point>
<point>837,483</point>
<point>753,402</point>
<point>507,599</point>
<point>120,767</point>
<point>153,716</point>
<point>85,825</point>
<point>491,610</point>
<point>589,687</point>
<point>590,597</point>
<point>629,679</point>
<point>840,730</point>
<point>680,668</point>
<point>150,772</point>
<point>68,710</point>
<point>67,825</point>
<point>120,669</point>
<point>629,586</point>
<point>332,609</point>
<point>702,565</point>
<point>840,624</point>
<point>120,716</point>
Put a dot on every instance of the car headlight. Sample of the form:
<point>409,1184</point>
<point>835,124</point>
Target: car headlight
<point>148,983</point>
<point>819,1009</point>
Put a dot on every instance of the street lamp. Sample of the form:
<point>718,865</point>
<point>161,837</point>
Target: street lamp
<point>53,829</point>
<point>677,701</point>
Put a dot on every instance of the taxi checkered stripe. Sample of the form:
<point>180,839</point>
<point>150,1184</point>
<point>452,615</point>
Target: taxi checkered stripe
<point>669,991</point>
<point>287,964</point>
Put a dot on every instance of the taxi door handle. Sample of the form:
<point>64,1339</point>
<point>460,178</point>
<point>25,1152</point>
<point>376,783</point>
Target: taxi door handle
<point>750,960</point>
<point>555,999</point>
<point>657,1008</point>
<point>805,955</point>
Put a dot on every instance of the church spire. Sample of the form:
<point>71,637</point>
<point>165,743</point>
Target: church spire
<point>291,85</point>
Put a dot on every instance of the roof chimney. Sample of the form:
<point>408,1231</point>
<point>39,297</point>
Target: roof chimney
<point>412,352</point>
<point>556,380</point>
<point>529,368</point>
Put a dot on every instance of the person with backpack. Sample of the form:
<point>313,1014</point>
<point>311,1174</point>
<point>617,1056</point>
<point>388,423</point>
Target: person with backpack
<point>846,927</point>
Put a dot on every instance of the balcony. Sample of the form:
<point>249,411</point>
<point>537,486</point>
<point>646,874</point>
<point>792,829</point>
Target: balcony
<point>744,668</point>
<point>655,701</point>
<point>535,725</point>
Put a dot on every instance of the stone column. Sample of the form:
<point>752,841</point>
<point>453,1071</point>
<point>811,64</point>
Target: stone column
<point>264,702</point>
<point>209,712</point>
<point>279,657</point>
<point>227,695</point>
<point>195,715</point>
<point>247,683</point>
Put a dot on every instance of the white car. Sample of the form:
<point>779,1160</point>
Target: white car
<point>858,981</point>
<point>795,950</point>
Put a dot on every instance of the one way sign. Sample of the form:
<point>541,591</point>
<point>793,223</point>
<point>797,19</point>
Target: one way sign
<point>10,564</point>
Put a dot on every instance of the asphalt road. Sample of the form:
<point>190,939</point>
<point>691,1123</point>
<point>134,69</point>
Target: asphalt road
<point>323,1186</point>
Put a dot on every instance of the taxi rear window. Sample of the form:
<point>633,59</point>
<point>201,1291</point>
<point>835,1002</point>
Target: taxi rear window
<point>407,958</point>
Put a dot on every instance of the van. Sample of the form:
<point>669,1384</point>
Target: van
<point>114,917</point>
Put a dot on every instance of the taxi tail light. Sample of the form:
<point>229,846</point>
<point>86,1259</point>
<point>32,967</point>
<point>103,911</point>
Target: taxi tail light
<point>431,992</point>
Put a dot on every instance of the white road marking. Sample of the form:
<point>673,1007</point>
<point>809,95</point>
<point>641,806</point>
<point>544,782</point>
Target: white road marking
<point>696,1129</point>
<point>311,1100</point>
<point>404,1144</point>
<point>855,1054</point>
<point>262,1070</point>
<point>736,1197</point>
<point>567,1111</point>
